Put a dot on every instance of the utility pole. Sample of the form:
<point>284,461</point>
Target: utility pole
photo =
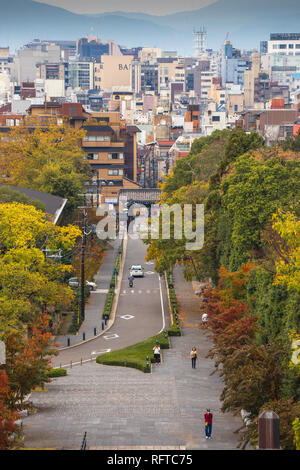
<point>83,248</point>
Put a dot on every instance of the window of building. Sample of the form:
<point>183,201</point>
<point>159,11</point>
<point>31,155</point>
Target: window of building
<point>291,46</point>
<point>92,156</point>
<point>297,46</point>
<point>96,138</point>
<point>115,172</point>
<point>115,156</point>
<point>282,46</point>
<point>215,118</point>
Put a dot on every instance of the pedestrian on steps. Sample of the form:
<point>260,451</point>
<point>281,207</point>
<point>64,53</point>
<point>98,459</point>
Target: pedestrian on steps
<point>208,417</point>
<point>156,352</point>
<point>193,356</point>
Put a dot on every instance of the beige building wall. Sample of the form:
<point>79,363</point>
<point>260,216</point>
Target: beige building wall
<point>235,101</point>
<point>150,53</point>
<point>249,77</point>
<point>166,73</point>
<point>113,71</point>
<point>216,93</point>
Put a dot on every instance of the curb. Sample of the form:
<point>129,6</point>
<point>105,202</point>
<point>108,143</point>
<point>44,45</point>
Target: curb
<point>114,306</point>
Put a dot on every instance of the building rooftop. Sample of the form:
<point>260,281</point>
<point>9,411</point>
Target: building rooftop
<point>54,204</point>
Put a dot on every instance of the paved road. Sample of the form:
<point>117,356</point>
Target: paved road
<point>120,406</point>
<point>144,307</point>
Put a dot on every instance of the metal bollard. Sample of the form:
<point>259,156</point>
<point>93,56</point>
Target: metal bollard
<point>95,331</point>
<point>68,340</point>
<point>102,325</point>
<point>81,361</point>
<point>83,336</point>
<point>147,364</point>
<point>71,364</point>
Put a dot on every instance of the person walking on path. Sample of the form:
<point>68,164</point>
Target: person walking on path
<point>156,352</point>
<point>208,417</point>
<point>204,319</point>
<point>193,356</point>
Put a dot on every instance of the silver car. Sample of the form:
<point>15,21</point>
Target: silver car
<point>74,282</point>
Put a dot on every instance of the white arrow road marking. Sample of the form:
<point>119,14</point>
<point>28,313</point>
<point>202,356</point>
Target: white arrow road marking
<point>100,352</point>
<point>111,336</point>
<point>150,262</point>
<point>149,272</point>
<point>140,291</point>
<point>132,291</point>
<point>99,291</point>
<point>148,291</point>
<point>127,317</point>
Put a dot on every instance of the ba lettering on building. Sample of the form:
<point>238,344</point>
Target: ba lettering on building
<point>113,71</point>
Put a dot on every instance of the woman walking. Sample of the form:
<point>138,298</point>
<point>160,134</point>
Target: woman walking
<point>193,356</point>
<point>156,353</point>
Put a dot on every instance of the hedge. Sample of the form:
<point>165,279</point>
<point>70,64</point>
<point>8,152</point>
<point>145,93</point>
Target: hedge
<point>75,325</point>
<point>111,291</point>
<point>56,373</point>
<point>174,329</point>
<point>135,356</point>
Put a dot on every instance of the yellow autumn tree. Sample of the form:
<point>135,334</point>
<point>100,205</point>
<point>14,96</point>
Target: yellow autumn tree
<point>287,225</point>
<point>29,279</point>
<point>45,159</point>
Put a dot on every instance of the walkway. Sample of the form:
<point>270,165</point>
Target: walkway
<point>94,307</point>
<point>123,407</point>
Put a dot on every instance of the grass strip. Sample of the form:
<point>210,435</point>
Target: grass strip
<point>135,356</point>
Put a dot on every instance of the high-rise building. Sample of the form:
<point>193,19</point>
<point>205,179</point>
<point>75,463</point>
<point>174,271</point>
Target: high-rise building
<point>91,47</point>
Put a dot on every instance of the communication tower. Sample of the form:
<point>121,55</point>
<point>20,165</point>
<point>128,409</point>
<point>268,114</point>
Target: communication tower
<point>200,36</point>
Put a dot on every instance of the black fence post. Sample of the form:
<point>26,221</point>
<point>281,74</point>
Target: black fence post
<point>83,444</point>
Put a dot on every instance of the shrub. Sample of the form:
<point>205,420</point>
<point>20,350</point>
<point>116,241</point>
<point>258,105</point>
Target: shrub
<point>52,373</point>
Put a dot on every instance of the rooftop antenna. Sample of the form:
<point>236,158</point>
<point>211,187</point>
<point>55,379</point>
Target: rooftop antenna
<point>200,36</point>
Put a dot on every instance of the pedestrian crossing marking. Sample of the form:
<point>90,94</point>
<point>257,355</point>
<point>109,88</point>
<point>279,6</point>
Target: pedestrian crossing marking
<point>140,291</point>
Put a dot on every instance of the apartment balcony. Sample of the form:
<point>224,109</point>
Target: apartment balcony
<point>103,144</point>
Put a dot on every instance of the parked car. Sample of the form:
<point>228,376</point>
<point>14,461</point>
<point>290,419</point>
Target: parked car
<point>74,282</point>
<point>136,270</point>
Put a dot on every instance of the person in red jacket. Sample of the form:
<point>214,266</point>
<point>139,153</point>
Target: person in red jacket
<point>208,417</point>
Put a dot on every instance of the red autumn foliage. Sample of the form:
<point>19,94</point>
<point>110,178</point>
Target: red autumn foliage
<point>7,416</point>
<point>28,360</point>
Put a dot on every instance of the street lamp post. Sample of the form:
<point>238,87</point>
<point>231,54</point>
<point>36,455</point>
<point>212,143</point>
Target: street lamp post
<point>83,250</point>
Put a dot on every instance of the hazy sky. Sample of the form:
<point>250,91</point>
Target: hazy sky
<point>154,7</point>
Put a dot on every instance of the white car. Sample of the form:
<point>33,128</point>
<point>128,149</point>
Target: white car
<point>74,282</point>
<point>136,270</point>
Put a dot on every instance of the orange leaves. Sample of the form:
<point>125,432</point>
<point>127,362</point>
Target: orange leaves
<point>7,417</point>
